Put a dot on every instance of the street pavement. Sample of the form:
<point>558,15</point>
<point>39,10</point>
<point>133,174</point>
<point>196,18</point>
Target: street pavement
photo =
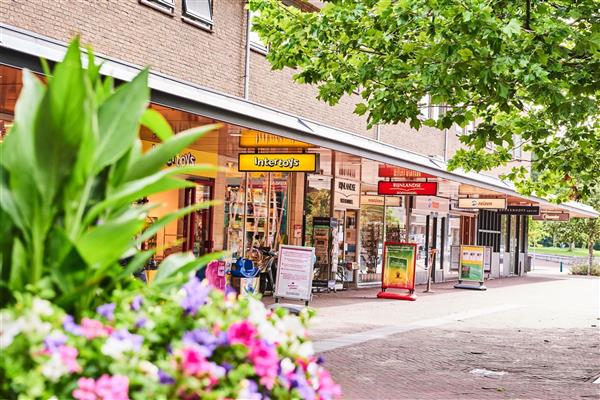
<point>533,337</point>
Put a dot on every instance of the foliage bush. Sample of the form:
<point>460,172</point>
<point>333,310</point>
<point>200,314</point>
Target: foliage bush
<point>191,343</point>
<point>582,269</point>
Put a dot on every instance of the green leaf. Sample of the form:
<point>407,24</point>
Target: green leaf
<point>157,123</point>
<point>118,119</point>
<point>360,109</point>
<point>157,157</point>
<point>512,28</point>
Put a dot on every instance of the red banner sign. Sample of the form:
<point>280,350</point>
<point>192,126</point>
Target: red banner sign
<point>386,171</point>
<point>407,188</point>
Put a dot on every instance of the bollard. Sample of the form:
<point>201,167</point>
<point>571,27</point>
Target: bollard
<point>561,265</point>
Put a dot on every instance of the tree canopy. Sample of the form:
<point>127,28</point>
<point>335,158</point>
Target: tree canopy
<point>526,69</point>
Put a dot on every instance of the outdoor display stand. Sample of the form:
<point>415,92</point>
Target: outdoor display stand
<point>472,261</point>
<point>399,264</point>
<point>295,266</point>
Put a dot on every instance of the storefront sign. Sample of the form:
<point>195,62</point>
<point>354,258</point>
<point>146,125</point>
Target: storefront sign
<point>482,203</point>
<point>399,263</point>
<point>520,210</point>
<point>472,259</point>
<point>407,188</point>
<point>347,194</point>
<point>187,157</point>
<point>278,162</point>
<point>294,272</point>
<point>387,171</point>
<point>551,217</point>
<point>373,200</point>
<point>258,139</point>
<point>432,203</point>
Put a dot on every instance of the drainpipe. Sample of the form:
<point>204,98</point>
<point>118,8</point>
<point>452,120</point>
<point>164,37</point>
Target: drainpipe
<point>445,144</point>
<point>247,60</point>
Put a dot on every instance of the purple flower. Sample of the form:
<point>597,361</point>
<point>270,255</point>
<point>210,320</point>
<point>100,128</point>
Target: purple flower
<point>107,311</point>
<point>124,334</point>
<point>141,322</point>
<point>320,360</point>
<point>203,340</point>
<point>165,378</point>
<point>70,326</point>
<point>137,303</point>
<point>301,385</point>
<point>54,341</point>
<point>196,295</point>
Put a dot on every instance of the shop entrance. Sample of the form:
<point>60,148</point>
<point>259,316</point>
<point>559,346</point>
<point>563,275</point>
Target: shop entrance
<point>198,226</point>
<point>347,239</point>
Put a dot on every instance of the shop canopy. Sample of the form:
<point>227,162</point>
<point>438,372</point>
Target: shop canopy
<point>19,47</point>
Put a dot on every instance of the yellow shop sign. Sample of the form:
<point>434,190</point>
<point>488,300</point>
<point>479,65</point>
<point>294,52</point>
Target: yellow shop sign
<point>278,162</point>
<point>258,139</point>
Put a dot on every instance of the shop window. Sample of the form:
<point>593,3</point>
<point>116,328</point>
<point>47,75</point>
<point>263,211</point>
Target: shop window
<point>199,13</point>
<point>167,6</point>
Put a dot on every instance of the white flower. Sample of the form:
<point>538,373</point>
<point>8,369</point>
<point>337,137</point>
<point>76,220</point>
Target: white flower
<point>306,350</point>
<point>148,368</point>
<point>115,348</point>
<point>54,368</point>
<point>287,366</point>
<point>33,324</point>
<point>268,332</point>
<point>9,328</point>
<point>42,307</point>
<point>290,325</point>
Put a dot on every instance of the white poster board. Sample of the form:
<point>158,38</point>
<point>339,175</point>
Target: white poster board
<point>487,259</point>
<point>294,272</point>
<point>454,258</point>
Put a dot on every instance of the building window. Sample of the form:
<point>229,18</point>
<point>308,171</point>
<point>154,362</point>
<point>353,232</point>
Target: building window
<point>517,150</point>
<point>199,13</point>
<point>255,42</point>
<point>167,6</point>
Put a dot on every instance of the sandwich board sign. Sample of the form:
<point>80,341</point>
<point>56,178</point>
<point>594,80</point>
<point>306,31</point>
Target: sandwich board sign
<point>399,264</point>
<point>472,264</point>
<point>295,266</point>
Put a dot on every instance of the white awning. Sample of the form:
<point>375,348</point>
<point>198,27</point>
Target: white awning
<point>221,106</point>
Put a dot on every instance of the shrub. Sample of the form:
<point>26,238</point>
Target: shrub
<point>192,343</point>
<point>582,269</point>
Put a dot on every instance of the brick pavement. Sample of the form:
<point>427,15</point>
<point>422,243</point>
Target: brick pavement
<point>436,363</point>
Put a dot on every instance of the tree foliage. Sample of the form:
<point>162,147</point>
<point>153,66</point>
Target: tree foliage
<point>518,68</point>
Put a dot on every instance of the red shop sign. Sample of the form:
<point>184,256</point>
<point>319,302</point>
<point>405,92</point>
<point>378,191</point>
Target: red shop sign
<point>387,171</point>
<point>409,188</point>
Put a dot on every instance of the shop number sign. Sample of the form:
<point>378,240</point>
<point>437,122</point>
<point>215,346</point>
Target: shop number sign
<point>472,259</point>
<point>399,263</point>
<point>294,272</point>
<point>407,188</point>
<point>278,162</point>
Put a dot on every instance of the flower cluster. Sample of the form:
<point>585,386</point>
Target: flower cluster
<point>195,343</point>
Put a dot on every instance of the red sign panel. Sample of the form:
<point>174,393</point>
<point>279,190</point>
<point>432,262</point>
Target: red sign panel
<point>407,188</point>
<point>386,171</point>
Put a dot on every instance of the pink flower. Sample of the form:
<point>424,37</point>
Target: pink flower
<point>105,388</point>
<point>266,363</point>
<point>192,362</point>
<point>86,389</point>
<point>241,332</point>
<point>68,355</point>
<point>328,389</point>
<point>91,328</point>
<point>112,388</point>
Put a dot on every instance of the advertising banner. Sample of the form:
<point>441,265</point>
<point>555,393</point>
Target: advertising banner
<point>481,203</point>
<point>387,171</point>
<point>520,210</point>
<point>294,272</point>
<point>258,139</point>
<point>278,162</point>
<point>471,263</point>
<point>407,188</point>
<point>399,263</point>
<point>551,217</point>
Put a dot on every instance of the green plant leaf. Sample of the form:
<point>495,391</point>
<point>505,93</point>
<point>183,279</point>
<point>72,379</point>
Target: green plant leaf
<point>157,123</point>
